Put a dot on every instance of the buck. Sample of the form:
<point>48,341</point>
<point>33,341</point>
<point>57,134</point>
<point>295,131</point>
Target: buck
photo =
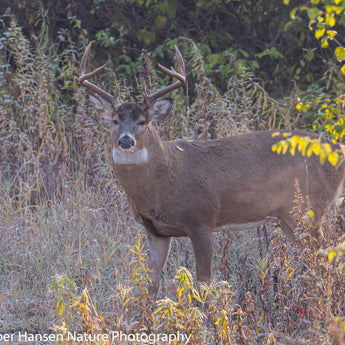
<point>180,188</point>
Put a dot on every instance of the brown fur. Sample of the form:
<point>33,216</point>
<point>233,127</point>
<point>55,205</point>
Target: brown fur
<point>193,188</point>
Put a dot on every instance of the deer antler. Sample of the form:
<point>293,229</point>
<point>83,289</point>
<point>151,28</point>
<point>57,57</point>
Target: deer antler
<point>181,76</point>
<point>83,80</point>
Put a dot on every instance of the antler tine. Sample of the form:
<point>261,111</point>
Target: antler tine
<point>181,76</point>
<point>180,62</point>
<point>84,76</point>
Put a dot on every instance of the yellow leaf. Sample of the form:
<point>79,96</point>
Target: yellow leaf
<point>293,143</point>
<point>340,53</point>
<point>285,147</point>
<point>275,134</point>
<point>320,33</point>
<point>326,148</point>
<point>158,309</point>
<point>197,298</point>
<point>180,291</point>
<point>331,255</point>
<point>343,69</point>
<point>277,148</point>
<point>324,44</point>
<point>322,157</point>
<point>313,148</point>
<point>331,21</point>
<point>258,323</point>
<point>302,146</point>
<point>331,34</point>
<point>338,10</point>
<point>126,302</point>
<point>333,158</point>
<point>179,325</point>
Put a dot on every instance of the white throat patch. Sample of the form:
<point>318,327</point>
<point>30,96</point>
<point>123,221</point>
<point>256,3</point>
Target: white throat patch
<point>130,157</point>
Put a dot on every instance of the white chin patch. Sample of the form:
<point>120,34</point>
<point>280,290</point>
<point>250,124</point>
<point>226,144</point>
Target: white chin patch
<point>130,157</point>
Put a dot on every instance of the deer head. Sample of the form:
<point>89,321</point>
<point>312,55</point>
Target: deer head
<point>130,120</point>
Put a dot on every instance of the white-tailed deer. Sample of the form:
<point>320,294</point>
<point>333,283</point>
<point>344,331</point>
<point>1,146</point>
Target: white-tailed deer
<point>180,188</point>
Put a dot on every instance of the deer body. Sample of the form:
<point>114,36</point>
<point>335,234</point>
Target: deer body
<point>195,188</point>
<point>179,188</point>
<point>231,181</point>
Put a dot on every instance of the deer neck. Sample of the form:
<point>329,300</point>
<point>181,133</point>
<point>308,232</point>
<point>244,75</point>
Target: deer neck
<point>137,157</point>
<point>136,169</point>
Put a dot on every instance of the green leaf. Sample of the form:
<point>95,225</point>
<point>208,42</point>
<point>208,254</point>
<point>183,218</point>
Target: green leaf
<point>147,36</point>
<point>160,21</point>
<point>313,12</point>
<point>213,59</point>
<point>272,52</point>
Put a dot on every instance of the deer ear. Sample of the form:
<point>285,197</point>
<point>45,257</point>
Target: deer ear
<point>103,107</point>
<point>160,109</point>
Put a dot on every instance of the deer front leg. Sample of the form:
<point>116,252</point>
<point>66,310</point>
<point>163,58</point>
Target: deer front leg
<point>202,241</point>
<point>159,251</point>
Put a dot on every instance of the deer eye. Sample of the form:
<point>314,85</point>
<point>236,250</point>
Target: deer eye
<point>115,122</point>
<point>142,123</point>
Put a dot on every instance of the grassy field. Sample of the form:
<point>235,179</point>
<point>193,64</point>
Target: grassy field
<point>79,264</point>
<point>73,259</point>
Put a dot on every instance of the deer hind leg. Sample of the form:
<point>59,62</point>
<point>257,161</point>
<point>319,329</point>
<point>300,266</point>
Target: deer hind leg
<point>202,241</point>
<point>288,225</point>
<point>159,251</point>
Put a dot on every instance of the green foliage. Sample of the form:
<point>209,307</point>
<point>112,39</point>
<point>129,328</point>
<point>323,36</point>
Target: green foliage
<point>272,52</point>
<point>258,35</point>
<point>323,20</point>
<point>328,113</point>
<point>224,63</point>
<point>64,291</point>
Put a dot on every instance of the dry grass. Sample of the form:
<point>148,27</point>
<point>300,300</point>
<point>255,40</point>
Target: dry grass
<point>72,258</point>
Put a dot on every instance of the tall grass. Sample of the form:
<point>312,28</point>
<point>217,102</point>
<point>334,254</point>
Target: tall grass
<point>73,259</point>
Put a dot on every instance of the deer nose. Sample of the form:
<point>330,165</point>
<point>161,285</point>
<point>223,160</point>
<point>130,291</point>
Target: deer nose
<point>126,142</point>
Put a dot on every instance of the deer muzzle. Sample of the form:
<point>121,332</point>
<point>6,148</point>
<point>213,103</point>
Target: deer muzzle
<point>126,142</point>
